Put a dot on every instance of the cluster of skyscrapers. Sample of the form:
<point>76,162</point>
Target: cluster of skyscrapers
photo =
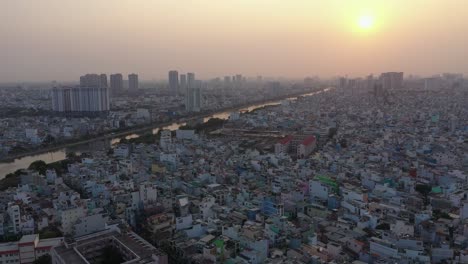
<point>92,95</point>
<point>133,82</point>
<point>189,86</point>
<point>391,80</point>
<point>117,82</point>
<point>234,79</point>
<point>387,81</point>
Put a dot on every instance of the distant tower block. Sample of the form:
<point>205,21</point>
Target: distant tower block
<point>174,82</point>
<point>133,82</point>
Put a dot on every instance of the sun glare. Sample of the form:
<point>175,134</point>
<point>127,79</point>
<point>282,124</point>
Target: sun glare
<point>366,22</point>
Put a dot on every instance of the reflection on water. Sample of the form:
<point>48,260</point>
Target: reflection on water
<point>58,155</point>
<point>24,162</point>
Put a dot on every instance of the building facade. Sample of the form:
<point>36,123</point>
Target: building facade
<point>174,82</point>
<point>80,99</point>
<point>27,249</point>
<point>116,82</point>
<point>193,94</point>
<point>133,82</point>
<point>183,83</point>
<point>93,80</point>
<point>391,80</point>
<point>88,249</point>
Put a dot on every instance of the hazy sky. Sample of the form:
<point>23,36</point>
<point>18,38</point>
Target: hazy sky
<point>62,39</point>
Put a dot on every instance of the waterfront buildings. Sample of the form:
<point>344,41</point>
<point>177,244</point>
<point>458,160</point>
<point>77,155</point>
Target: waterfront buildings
<point>90,97</point>
<point>337,177</point>
<point>33,126</point>
<point>193,95</point>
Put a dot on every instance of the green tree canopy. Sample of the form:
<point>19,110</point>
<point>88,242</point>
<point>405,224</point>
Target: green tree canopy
<point>424,190</point>
<point>44,259</point>
<point>39,166</point>
<point>111,255</point>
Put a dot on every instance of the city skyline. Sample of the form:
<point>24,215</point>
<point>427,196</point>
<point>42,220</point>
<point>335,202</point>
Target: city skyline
<point>273,38</point>
<point>243,132</point>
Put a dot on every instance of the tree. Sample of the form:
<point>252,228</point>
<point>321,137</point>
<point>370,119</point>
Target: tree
<point>44,259</point>
<point>436,213</point>
<point>49,139</point>
<point>110,152</point>
<point>71,155</point>
<point>343,143</point>
<point>123,177</point>
<point>383,226</point>
<point>39,166</point>
<point>111,255</point>
<point>332,132</point>
<point>50,232</point>
<point>424,190</point>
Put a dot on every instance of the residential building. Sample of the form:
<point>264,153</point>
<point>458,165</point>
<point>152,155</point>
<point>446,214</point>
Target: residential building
<point>133,82</point>
<point>174,82</point>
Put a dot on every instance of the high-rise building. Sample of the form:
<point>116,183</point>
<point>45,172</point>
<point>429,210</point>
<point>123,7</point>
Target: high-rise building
<point>343,82</point>
<point>190,79</point>
<point>133,82</point>
<point>93,80</point>
<point>353,83</point>
<point>183,83</point>
<point>275,88</point>
<point>196,97</point>
<point>103,80</point>
<point>91,97</point>
<point>193,94</point>
<point>116,82</point>
<point>370,82</point>
<point>391,80</point>
<point>238,78</point>
<point>433,83</point>
<point>190,85</point>
<point>193,99</point>
<point>87,100</point>
<point>174,82</point>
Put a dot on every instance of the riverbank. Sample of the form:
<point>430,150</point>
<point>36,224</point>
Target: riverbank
<point>151,126</point>
<point>59,152</point>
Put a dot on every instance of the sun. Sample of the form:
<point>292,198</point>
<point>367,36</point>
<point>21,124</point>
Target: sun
<point>365,22</point>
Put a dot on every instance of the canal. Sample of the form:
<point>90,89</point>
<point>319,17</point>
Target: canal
<point>99,144</point>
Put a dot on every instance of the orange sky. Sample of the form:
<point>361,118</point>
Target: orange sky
<point>62,39</point>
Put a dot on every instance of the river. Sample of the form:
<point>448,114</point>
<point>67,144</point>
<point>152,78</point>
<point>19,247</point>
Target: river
<point>57,155</point>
